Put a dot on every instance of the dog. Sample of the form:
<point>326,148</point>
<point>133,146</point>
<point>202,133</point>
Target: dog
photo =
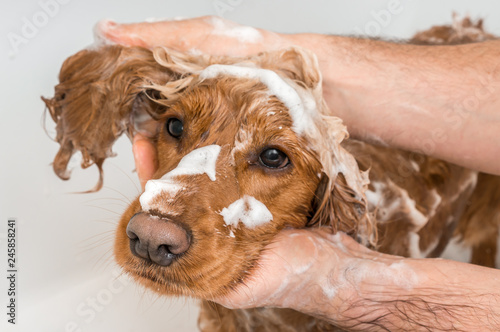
<point>247,147</point>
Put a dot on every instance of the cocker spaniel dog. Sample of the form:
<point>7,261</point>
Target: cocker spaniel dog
<point>247,147</point>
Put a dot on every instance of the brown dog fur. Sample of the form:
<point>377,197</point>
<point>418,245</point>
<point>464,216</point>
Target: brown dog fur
<point>114,89</point>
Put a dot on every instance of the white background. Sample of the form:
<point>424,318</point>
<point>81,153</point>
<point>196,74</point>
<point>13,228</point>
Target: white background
<point>64,239</point>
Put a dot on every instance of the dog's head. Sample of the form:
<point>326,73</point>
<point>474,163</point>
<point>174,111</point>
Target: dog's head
<point>245,148</point>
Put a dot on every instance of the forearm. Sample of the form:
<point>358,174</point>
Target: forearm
<point>334,278</point>
<point>389,293</point>
<point>447,296</point>
<point>436,100</point>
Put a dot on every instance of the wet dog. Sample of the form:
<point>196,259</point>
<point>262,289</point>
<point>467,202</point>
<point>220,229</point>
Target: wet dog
<point>247,147</point>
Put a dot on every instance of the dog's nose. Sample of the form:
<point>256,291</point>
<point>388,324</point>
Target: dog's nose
<point>157,239</point>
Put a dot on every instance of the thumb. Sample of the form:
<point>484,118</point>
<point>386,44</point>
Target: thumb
<point>146,162</point>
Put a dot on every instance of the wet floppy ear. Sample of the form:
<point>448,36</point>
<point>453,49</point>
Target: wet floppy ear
<point>338,205</point>
<point>100,96</point>
<point>340,200</point>
<point>74,109</point>
<point>299,65</point>
<point>66,150</point>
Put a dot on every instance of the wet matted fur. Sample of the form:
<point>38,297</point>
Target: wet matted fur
<point>391,200</point>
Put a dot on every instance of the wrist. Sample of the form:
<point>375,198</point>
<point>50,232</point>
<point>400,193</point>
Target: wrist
<point>432,294</point>
<point>332,285</point>
<point>347,284</point>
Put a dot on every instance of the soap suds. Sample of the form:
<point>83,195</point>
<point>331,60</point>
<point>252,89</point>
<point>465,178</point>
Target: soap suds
<point>248,210</point>
<point>357,271</point>
<point>99,31</point>
<point>300,109</point>
<point>199,161</point>
<point>337,240</point>
<point>417,217</point>
<point>414,245</point>
<point>436,203</point>
<point>415,166</point>
<point>229,29</point>
<point>156,19</point>
<point>375,197</point>
<point>402,202</point>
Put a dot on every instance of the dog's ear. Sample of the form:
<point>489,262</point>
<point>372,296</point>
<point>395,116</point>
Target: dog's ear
<point>340,200</point>
<point>102,93</point>
<point>338,205</point>
<point>299,65</point>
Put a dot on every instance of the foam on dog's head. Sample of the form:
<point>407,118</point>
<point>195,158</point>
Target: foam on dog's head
<point>301,111</point>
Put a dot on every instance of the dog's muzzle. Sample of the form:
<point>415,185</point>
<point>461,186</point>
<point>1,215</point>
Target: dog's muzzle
<point>157,239</point>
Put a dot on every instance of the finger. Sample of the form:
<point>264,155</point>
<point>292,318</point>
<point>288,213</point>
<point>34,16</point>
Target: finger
<point>150,34</point>
<point>145,158</point>
<point>123,34</point>
<point>226,37</point>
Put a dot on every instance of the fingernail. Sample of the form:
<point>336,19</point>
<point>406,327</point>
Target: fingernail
<point>107,24</point>
<point>104,32</point>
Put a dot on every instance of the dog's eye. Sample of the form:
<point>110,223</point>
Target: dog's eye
<point>273,158</point>
<point>175,127</point>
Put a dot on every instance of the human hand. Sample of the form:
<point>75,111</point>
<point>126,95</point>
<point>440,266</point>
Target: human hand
<point>208,34</point>
<point>305,268</point>
<point>289,268</point>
